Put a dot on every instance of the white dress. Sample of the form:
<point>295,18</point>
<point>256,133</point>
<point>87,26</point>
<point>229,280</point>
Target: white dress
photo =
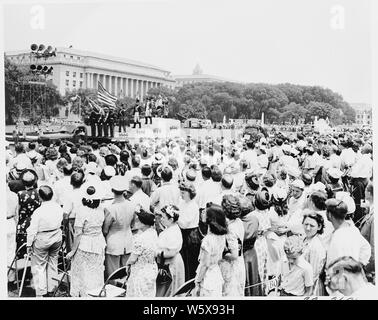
<point>212,248</point>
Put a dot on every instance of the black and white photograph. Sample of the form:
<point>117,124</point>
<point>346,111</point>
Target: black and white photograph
<point>176,149</point>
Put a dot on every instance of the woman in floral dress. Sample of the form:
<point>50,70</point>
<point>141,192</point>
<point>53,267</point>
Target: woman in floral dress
<point>88,250</point>
<point>262,204</point>
<point>232,265</point>
<point>28,201</point>
<point>209,280</point>
<point>143,267</point>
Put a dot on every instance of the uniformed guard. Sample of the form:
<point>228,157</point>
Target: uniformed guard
<point>111,122</point>
<point>137,114</point>
<point>147,115</point>
<point>100,123</point>
<point>105,122</point>
<point>122,119</point>
<point>93,117</point>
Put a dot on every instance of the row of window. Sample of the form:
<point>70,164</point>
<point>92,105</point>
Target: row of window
<point>361,116</point>
<point>74,74</point>
<point>78,58</point>
<point>74,83</point>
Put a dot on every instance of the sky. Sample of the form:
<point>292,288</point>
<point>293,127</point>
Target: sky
<point>312,42</point>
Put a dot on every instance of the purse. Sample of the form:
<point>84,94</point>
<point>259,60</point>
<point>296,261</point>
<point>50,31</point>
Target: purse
<point>164,274</point>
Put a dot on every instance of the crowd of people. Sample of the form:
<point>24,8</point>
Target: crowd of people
<point>278,214</point>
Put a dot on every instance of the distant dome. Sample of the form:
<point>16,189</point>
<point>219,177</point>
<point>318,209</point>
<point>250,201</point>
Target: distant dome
<point>197,70</point>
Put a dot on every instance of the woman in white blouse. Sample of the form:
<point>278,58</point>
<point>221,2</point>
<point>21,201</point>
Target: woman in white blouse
<point>314,251</point>
<point>169,246</point>
<point>188,222</point>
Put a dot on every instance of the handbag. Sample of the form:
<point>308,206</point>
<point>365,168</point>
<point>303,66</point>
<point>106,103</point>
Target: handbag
<point>164,274</point>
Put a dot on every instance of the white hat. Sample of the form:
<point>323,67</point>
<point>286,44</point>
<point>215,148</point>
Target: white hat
<point>319,186</point>
<point>97,195</point>
<point>334,173</point>
<point>293,171</point>
<point>109,171</point>
<point>298,184</point>
<point>347,199</point>
<point>21,165</point>
<point>91,167</point>
<point>119,183</point>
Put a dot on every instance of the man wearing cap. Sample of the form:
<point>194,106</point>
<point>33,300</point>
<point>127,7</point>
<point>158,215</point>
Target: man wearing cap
<point>335,184</point>
<point>117,227</point>
<point>138,196</point>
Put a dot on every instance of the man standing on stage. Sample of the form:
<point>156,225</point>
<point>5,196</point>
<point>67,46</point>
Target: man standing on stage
<point>137,114</point>
<point>105,122</point>
<point>111,121</point>
<point>122,119</point>
<point>93,117</point>
<point>148,111</point>
<point>100,123</point>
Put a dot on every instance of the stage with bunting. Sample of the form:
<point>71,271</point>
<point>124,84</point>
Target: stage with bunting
<point>163,128</point>
<point>160,128</point>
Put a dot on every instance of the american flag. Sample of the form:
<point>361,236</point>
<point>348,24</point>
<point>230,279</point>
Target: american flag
<point>95,106</point>
<point>105,97</point>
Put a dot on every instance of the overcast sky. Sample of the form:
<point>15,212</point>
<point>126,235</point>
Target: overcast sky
<point>296,41</point>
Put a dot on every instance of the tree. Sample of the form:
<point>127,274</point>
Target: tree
<point>319,109</point>
<point>292,113</point>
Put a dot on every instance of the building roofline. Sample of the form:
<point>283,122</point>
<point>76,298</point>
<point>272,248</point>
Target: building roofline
<point>95,55</point>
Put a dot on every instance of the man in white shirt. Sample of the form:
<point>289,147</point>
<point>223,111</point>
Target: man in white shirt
<point>361,172</point>
<point>167,194</point>
<point>21,157</point>
<point>226,188</point>
<point>346,239</point>
<point>44,238</point>
<point>138,196</point>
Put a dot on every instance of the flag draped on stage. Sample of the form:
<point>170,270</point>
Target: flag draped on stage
<point>105,97</point>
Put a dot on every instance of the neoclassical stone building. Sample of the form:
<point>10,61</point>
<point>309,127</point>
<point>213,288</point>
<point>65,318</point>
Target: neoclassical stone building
<point>74,69</point>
